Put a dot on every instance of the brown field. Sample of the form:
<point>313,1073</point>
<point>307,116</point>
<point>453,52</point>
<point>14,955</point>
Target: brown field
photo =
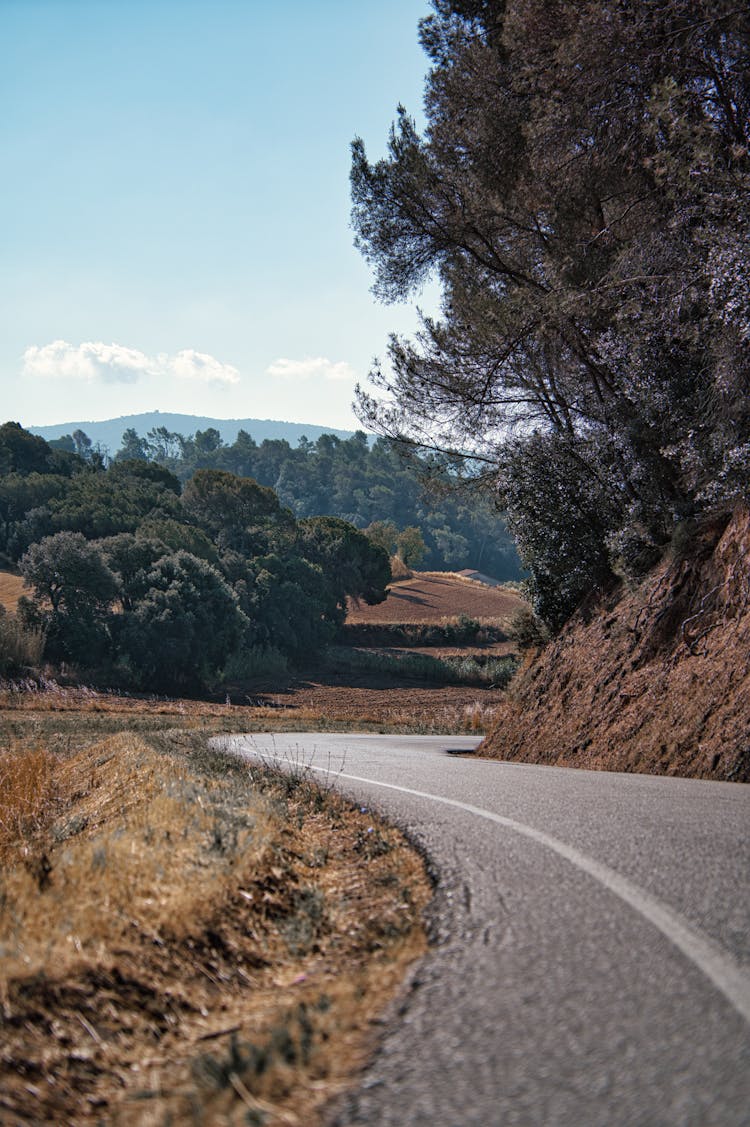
<point>11,589</point>
<point>433,597</point>
<point>336,703</point>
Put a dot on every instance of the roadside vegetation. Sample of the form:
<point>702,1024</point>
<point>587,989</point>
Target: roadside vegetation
<point>473,670</point>
<point>183,937</point>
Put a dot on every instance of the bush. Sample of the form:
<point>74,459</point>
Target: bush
<point>528,630</point>
<point>185,627</point>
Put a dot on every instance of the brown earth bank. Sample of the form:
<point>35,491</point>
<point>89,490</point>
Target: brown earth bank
<point>655,679</point>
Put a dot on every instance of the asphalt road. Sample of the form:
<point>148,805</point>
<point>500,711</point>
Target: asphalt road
<point>592,955</point>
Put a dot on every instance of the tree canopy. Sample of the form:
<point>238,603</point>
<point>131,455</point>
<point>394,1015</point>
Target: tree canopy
<point>133,578</point>
<point>580,191</point>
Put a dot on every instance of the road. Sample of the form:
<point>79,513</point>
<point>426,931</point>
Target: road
<point>592,940</point>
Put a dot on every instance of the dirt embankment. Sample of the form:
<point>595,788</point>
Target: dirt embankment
<point>654,680</point>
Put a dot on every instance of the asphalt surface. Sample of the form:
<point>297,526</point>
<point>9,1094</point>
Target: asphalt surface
<point>592,940</point>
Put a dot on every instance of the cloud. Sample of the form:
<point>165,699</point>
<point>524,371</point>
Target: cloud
<point>97,362</point>
<point>319,367</point>
<point>192,365</point>
<point>92,360</point>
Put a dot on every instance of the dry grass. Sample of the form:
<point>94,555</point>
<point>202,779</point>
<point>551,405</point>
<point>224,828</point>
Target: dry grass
<point>63,714</point>
<point>11,589</point>
<point>187,941</point>
<point>28,796</point>
<point>399,570</point>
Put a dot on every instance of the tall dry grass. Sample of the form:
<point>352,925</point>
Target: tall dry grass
<point>29,791</point>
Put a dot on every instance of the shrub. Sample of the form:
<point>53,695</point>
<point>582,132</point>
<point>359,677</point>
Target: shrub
<point>527,629</point>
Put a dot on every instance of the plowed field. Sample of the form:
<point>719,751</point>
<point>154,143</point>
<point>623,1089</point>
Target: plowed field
<point>432,597</point>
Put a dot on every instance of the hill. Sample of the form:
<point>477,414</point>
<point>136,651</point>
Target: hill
<point>108,432</point>
<point>655,679</point>
<point>429,597</point>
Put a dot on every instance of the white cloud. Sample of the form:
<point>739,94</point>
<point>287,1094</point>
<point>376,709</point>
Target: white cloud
<point>317,367</point>
<point>97,362</point>
<point>92,361</point>
<point>192,365</point>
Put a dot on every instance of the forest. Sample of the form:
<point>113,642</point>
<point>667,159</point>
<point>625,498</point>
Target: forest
<point>357,480</point>
<point>147,582</point>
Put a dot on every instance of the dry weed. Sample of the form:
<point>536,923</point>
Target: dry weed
<point>28,793</point>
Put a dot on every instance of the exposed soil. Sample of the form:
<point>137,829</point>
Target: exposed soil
<point>655,679</point>
<point>434,597</point>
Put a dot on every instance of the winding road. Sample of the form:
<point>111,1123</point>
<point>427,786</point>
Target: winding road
<point>591,963</point>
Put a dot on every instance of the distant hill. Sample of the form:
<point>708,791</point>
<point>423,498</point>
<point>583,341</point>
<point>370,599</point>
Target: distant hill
<point>108,432</point>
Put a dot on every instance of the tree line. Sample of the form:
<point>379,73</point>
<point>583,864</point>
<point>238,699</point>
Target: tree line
<point>157,585</point>
<point>358,481</point>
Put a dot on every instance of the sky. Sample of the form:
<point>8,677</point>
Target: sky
<point>176,201</point>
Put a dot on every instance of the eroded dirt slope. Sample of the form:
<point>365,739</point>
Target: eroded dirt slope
<point>655,680</point>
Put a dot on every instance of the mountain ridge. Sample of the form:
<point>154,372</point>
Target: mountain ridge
<point>108,432</point>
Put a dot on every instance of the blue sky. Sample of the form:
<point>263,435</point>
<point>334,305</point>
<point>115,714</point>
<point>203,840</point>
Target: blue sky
<point>176,203</point>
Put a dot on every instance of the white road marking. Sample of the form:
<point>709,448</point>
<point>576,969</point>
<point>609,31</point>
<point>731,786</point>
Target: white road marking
<point>718,966</point>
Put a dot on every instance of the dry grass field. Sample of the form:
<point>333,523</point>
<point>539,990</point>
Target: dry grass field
<point>11,589</point>
<point>185,940</point>
<point>432,597</point>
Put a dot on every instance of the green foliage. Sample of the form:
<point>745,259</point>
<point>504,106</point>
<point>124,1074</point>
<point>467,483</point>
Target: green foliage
<point>23,453</point>
<point>169,588</point>
<point>410,546</point>
<point>352,564</point>
<point>289,604</point>
<point>182,630</point>
<point>454,632</point>
<point>257,663</point>
<point>368,485</point>
<point>74,590</point>
<point>496,672</point>
<point>236,512</point>
<point>528,630</point>
<point>98,504</point>
<point>384,534</point>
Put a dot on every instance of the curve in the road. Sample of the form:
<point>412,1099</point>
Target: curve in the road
<point>719,967</point>
<point>591,963</point>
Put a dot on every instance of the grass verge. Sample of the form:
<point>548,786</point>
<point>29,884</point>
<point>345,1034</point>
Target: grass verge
<point>184,939</point>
